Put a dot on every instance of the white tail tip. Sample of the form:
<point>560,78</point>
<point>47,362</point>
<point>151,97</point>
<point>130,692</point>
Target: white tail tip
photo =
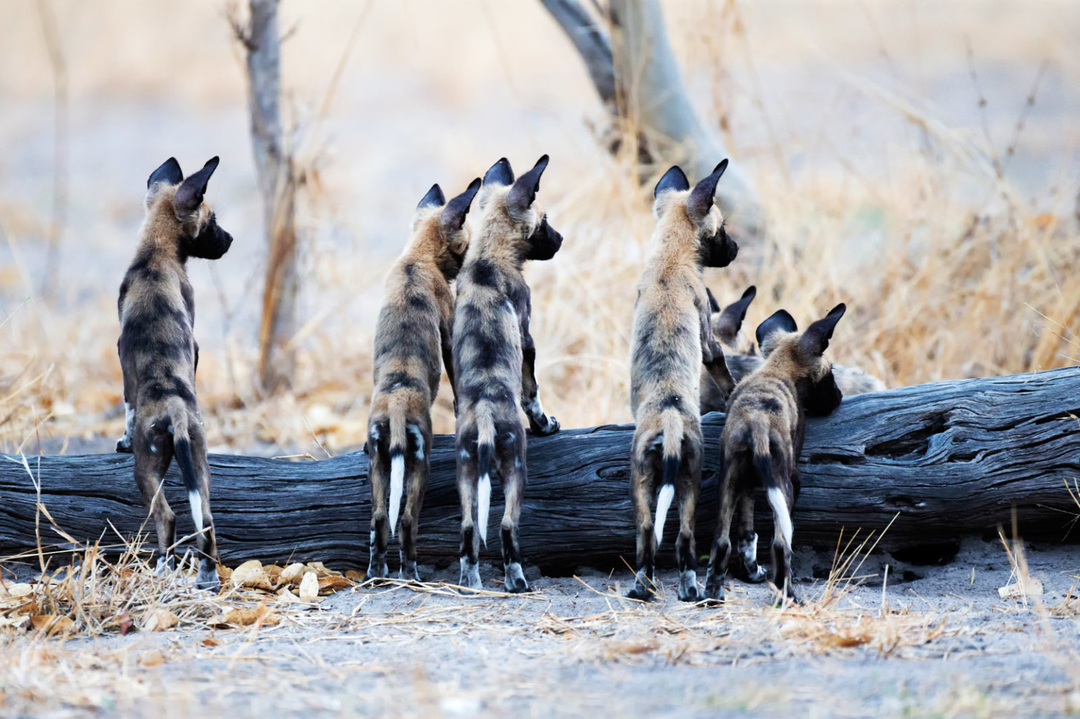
<point>397,488</point>
<point>663,503</point>
<point>483,505</point>
<point>780,510</point>
<point>195,500</point>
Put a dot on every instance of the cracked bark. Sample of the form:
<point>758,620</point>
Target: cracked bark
<point>951,459</point>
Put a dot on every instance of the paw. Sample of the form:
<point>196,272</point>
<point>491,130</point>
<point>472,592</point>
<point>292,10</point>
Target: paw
<point>470,576</point>
<point>787,599</point>
<point>378,570</point>
<point>409,573</point>
<point>550,428</point>
<point>165,564</point>
<point>688,588</point>
<point>642,589</point>
<point>515,579</point>
<point>755,574</point>
<point>123,445</point>
<point>207,577</point>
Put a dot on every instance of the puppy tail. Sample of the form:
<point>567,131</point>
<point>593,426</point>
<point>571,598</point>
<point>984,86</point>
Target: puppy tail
<point>485,449</point>
<point>763,465</point>
<point>671,422</point>
<point>398,444</point>
<point>185,460</point>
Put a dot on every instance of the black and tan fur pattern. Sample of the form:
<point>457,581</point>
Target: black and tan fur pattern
<point>762,438</point>
<point>494,362</point>
<point>159,355</point>
<point>743,358</point>
<point>672,337</point>
<point>412,344</point>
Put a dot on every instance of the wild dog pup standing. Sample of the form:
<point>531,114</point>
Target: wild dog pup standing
<point>494,362</point>
<point>158,354</point>
<point>762,439</point>
<point>727,323</point>
<point>413,332</point>
<point>672,337</point>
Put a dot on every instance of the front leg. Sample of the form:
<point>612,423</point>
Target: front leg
<point>447,340</point>
<point>540,423</point>
<point>124,444</point>
<point>712,354</point>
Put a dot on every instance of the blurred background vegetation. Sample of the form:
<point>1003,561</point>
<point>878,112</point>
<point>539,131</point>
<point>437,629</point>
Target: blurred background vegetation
<point>916,159</point>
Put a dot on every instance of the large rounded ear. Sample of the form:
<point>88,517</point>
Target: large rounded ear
<point>433,198</point>
<point>453,215</point>
<point>168,173</point>
<point>674,180</point>
<point>701,197</point>
<point>499,174</point>
<point>815,340</point>
<point>732,317</point>
<point>714,306</point>
<point>780,321</point>
<point>523,193</point>
<point>190,193</point>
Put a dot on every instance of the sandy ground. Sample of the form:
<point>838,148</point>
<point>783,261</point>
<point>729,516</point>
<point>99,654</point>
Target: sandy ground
<point>942,644</point>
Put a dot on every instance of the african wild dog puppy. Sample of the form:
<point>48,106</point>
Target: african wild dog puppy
<point>672,337</point>
<point>494,362</point>
<point>159,355</point>
<point>762,439</point>
<point>744,360</point>
<point>413,332</point>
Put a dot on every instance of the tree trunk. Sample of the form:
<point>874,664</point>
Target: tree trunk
<point>277,184</point>
<point>636,76</point>
<point>946,460</point>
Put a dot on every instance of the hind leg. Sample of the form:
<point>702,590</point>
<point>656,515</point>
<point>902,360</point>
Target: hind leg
<point>469,552</point>
<point>207,576</point>
<point>780,500</point>
<point>685,546</point>
<point>152,456</point>
<point>514,472</point>
<point>746,539</point>
<point>644,470</point>
<point>720,554</point>
<point>379,476</point>
<point>416,483</point>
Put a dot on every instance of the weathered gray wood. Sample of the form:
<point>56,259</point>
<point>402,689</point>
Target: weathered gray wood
<point>951,458</point>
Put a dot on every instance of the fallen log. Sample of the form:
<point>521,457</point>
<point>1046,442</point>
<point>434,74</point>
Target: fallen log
<point>945,460</point>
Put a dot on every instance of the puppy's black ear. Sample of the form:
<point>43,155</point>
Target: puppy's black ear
<point>732,317</point>
<point>674,180</point>
<point>168,174</point>
<point>190,193</point>
<point>433,198</point>
<point>714,306</point>
<point>499,174</point>
<point>701,197</point>
<point>780,321</point>
<point>523,193</point>
<point>815,340</point>
<point>453,215</point>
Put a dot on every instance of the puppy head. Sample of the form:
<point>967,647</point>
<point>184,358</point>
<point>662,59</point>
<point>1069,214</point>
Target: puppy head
<point>441,227</point>
<point>513,202</point>
<point>727,323</point>
<point>673,197</point>
<point>197,231</point>
<point>800,357</point>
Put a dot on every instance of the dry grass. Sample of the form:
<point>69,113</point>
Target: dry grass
<point>949,273</point>
<point>60,648</point>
